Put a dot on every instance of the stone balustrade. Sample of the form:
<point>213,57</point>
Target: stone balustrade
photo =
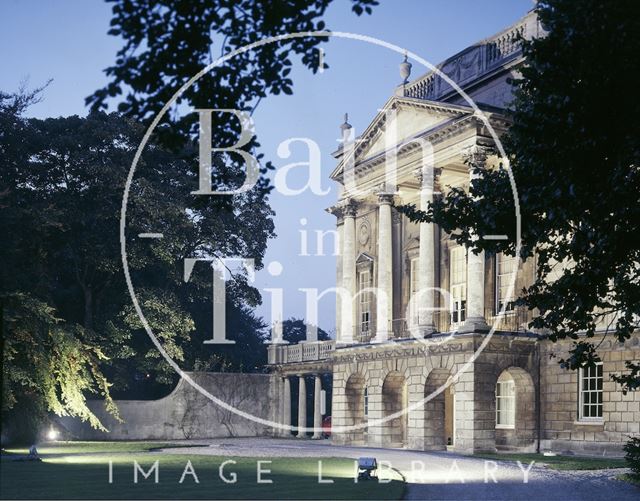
<point>473,63</point>
<point>302,352</point>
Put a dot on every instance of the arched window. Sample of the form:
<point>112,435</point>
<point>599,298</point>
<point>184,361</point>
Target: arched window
<point>505,401</point>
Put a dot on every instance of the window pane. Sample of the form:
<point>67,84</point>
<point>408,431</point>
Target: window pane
<point>506,267</point>
<point>505,401</point>
<point>591,382</point>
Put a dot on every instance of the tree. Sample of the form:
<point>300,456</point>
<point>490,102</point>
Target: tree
<point>294,330</point>
<point>47,364</point>
<point>167,42</point>
<point>574,151</point>
<point>62,181</point>
<point>69,328</point>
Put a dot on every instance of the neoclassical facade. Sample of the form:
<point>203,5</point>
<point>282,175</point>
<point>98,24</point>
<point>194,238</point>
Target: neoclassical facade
<point>413,364</point>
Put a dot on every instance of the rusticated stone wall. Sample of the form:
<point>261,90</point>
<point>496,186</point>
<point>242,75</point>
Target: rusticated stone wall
<point>563,429</point>
<point>415,373</point>
<point>546,396</point>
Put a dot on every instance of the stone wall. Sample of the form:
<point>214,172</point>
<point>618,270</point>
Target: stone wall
<point>185,413</point>
<point>562,429</point>
<point>420,375</point>
<point>405,373</point>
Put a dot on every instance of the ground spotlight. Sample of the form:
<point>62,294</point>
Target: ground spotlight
<point>367,468</point>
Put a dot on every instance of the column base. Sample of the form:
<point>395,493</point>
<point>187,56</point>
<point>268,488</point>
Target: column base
<point>427,330</point>
<point>382,337</point>
<point>316,437</point>
<point>475,324</point>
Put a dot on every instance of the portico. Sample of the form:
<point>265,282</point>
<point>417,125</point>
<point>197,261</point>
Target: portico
<point>403,288</point>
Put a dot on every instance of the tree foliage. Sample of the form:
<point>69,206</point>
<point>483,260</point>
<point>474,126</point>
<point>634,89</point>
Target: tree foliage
<point>574,150</point>
<point>48,362</point>
<point>294,331</point>
<point>44,360</point>
<point>169,41</point>
<point>63,287</point>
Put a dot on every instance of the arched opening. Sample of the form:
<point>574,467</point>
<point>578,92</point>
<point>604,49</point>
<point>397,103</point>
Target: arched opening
<point>439,412</point>
<point>515,418</point>
<point>357,406</point>
<point>394,400</point>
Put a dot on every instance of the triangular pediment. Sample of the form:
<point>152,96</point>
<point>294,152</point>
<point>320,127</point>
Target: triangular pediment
<point>412,243</point>
<point>363,257</point>
<point>409,118</point>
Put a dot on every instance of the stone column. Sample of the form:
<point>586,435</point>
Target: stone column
<point>348,313</point>
<point>475,321</point>
<point>384,295</point>
<point>317,404</point>
<point>302,407</point>
<point>427,256</point>
<point>339,248</point>
<point>286,411</point>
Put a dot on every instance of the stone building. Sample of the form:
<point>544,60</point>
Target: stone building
<point>420,370</point>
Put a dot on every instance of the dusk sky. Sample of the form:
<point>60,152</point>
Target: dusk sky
<point>67,42</point>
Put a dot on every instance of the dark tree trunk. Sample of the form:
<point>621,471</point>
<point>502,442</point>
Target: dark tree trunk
<point>88,308</point>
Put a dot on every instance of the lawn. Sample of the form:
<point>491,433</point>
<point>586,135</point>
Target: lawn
<point>47,448</point>
<point>84,474</point>
<point>630,477</point>
<point>560,462</point>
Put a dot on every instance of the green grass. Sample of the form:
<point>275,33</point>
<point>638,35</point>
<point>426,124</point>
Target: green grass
<point>46,448</point>
<point>84,474</point>
<point>629,477</point>
<point>560,462</point>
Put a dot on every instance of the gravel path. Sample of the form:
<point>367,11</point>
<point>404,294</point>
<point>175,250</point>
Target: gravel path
<point>442,475</point>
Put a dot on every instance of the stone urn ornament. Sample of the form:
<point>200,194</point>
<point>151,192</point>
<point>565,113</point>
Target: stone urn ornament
<point>405,70</point>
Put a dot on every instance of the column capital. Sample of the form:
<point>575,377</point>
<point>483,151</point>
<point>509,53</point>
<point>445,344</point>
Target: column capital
<point>421,174</point>
<point>476,155</point>
<point>385,197</point>
<point>349,207</point>
<point>335,210</point>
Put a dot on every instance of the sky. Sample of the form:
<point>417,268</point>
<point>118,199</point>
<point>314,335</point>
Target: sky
<point>67,41</point>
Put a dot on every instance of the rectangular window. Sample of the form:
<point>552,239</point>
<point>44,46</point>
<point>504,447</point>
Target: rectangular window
<point>506,267</point>
<point>364,307</point>
<point>590,389</point>
<point>458,280</point>
<point>414,279</point>
<point>506,404</point>
<point>366,403</point>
